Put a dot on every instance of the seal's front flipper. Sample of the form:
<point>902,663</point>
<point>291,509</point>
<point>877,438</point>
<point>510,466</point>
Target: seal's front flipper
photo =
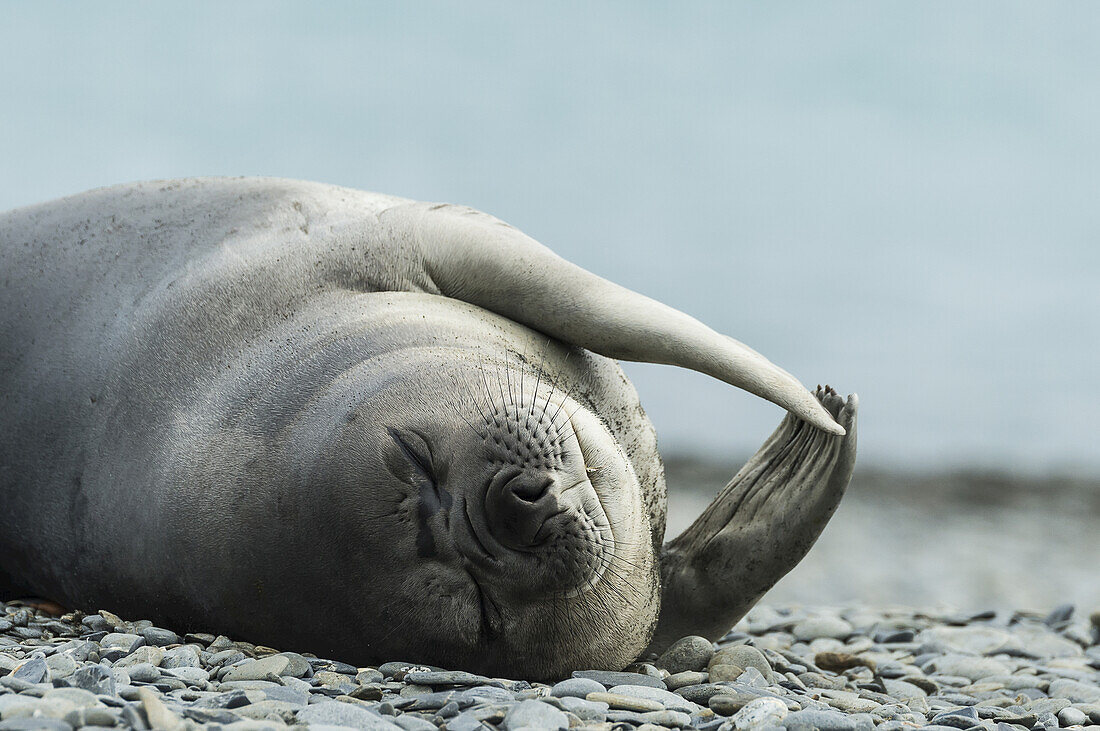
<point>473,257</point>
<point>758,528</point>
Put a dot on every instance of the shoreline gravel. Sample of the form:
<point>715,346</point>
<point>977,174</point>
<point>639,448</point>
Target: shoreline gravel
<point>834,669</point>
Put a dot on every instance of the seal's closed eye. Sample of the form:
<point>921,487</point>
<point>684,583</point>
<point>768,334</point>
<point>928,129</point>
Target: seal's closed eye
<point>418,457</point>
<point>412,463</point>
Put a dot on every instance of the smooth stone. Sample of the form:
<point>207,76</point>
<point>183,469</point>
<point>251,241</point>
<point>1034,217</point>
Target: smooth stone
<point>609,678</point>
<point>692,653</point>
<point>744,657</point>
<point>816,627</point>
<point>838,662</point>
<point>210,715</point>
<point>61,665</point>
<point>815,720</point>
<point>624,702</point>
<point>297,665</point>
<point>1047,705</point>
<point>245,685</point>
<point>903,690</point>
<point>34,670</point>
<point>624,717</point>
<point>124,641</point>
<point>974,639</point>
<point>159,637</point>
<point>410,722</point>
<point>334,713</point>
<point>966,666</point>
<point>91,717</point>
<point>268,668</point>
<point>1092,710</point>
<point>190,675</point>
<point>1074,690</point>
<point>94,678</point>
<point>267,708</point>
<point>143,672</point>
<point>160,717</point>
<point>1072,717</point>
<point>17,685</point>
<point>182,656</point>
<point>753,677</point>
<point>435,701</point>
<point>369,675</point>
<point>287,694</point>
<point>329,678</point>
<point>485,694</point>
<point>463,722</point>
<point>724,673</point>
<point>666,698</point>
<point>390,669</point>
<point>38,723</point>
<point>704,692</point>
<point>144,655</point>
<point>760,712</point>
<point>446,677</point>
<point>576,688</point>
<point>584,709</point>
<point>667,719</point>
<point>77,697</point>
<point>535,714</point>
<point>686,678</point>
<point>231,699</point>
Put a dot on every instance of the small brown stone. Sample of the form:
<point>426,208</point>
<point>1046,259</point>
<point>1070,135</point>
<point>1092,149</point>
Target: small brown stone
<point>723,673</point>
<point>838,662</point>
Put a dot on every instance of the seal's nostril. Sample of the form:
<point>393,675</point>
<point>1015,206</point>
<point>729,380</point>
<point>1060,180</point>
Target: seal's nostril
<point>530,487</point>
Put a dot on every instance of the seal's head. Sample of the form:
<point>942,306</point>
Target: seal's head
<point>501,527</point>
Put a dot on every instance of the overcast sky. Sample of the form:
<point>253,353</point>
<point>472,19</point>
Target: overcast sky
<point>900,199</point>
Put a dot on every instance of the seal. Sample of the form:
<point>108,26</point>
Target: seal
<point>371,428</point>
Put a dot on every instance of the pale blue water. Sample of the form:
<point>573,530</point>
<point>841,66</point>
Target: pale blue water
<point>903,200</point>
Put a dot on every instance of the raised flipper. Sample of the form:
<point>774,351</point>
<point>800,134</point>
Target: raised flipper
<point>474,257</point>
<point>758,528</point>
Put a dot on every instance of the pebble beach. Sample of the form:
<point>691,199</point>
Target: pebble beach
<point>838,669</point>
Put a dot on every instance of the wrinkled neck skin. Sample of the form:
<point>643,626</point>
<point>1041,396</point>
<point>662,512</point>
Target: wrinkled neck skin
<point>499,519</point>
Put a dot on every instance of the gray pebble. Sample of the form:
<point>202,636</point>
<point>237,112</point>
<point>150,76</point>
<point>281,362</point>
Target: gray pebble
<point>343,714</point>
<point>124,641</point>
<point>576,688</point>
<point>94,678</point>
<point>159,637</point>
<point>608,678</point>
<point>534,714</point>
<point>583,709</point>
<point>813,720</point>
<point>32,671</point>
<point>691,653</point>
<point>666,698</point>
<point>445,677</point>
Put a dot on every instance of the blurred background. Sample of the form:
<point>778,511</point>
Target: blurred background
<point>899,200</point>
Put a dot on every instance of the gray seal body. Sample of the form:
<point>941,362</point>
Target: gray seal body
<point>370,428</point>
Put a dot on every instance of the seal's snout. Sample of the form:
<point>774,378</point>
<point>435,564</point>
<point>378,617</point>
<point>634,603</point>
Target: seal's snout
<point>519,504</point>
<point>530,488</point>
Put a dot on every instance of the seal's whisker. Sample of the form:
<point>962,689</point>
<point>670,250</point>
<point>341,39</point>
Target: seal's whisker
<point>477,404</point>
<point>534,400</point>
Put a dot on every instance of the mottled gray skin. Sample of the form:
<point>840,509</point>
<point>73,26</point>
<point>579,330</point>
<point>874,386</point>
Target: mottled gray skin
<point>360,426</point>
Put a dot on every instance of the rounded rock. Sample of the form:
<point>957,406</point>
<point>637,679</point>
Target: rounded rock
<point>824,626</point>
<point>760,712</point>
<point>535,714</point>
<point>576,688</point>
<point>691,653</point>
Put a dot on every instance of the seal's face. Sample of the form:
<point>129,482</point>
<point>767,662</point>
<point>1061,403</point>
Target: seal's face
<point>508,527</point>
